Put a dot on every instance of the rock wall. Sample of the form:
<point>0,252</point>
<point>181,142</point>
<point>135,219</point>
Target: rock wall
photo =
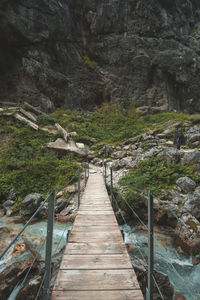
<point>79,53</point>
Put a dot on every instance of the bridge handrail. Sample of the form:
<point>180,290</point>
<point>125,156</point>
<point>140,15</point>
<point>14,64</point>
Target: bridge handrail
<point>24,227</point>
<point>161,202</point>
<point>49,198</point>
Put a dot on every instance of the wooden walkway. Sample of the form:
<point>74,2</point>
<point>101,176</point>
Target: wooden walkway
<point>96,265</point>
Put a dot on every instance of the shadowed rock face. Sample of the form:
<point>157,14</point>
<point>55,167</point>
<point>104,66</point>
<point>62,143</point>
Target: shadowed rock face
<point>147,50</point>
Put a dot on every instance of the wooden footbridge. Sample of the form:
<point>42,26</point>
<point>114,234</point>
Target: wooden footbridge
<point>96,265</point>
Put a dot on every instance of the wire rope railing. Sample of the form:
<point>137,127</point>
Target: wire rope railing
<point>151,235</point>
<point>44,287</point>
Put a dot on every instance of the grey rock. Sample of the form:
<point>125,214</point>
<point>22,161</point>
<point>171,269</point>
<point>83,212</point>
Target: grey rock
<point>197,168</point>
<point>60,205</point>
<point>152,152</point>
<point>30,203</point>
<point>188,234</point>
<point>172,155</point>
<point>151,52</point>
<point>191,157</point>
<point>119,154</point>
<point>194,138</point>
<point>192,203</point>
<point>162,280</point>
<point>186,184</point>
<point>8,203</point>
<point>12,195</point>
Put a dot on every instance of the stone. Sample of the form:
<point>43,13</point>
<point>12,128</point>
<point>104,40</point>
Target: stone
<point>8,203</point>
<point>186,184</point>
<point>61,146</point>
<point>10,276</point>
<point>172,155</point>
<point>73,134</point>
<point>60,205</point>
<point>191,157</point>
<point>30,204</point>
<point>119,154</point>
<point>194,138</point>
<point>162,280</point>
<point>30,289</point>
<point>62,131</point>
<point>188,234</point>
<point>12,195</point>
<point>192,203</point>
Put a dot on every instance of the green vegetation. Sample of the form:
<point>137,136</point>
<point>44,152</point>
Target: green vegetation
<point>28,166</point>
<point>91,63</point>
<point>44,120</point>
<point>155,174</point>
<point>112,123</point>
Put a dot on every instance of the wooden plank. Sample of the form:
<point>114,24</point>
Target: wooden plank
<point>95,262</point>
<point>95,220</point>
<point>96,228</point>
<point>70,280</point>
<point>95,213</point>
<point>95,236</point>
<point>95,248</point>
<point>100,295</point>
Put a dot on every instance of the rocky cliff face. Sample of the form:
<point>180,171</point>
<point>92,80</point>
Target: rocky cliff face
<point>78,53</point>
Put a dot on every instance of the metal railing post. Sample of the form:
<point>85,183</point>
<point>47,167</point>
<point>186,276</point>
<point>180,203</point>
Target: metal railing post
<point>103,167</point>
<point>88,169</point>
<point>149,291</point>
<point>105,174</point>
<point>85,174</point>
<point>111,183</point>
<point>49,240</point>
<point>79,185</point>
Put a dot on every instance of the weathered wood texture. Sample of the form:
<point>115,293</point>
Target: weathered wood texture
<point>96,264</point>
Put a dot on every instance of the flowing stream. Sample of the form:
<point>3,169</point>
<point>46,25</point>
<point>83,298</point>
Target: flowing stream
<point>35,233</point>
<point>183,275</point>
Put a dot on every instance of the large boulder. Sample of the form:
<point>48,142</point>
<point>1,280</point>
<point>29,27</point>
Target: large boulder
<point>188,234</point>
<point>30,204</point>
<point>162,280</point>
<point>171,155</point>
<point>192,203</point>
<point>186,184</point>
<point>191,157</point>
<point>12,274</point>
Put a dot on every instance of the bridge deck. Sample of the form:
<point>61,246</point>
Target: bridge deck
<point>96,264</point>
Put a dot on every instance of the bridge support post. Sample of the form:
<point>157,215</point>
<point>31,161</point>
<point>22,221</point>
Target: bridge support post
<point>79,185</point>
<point>85,173</point>
<point>105,173</point>
<point>49,240</point>
<point>88,166</point>
<point>103,170</point>
<point>149,291</point>
<point>111,183</point>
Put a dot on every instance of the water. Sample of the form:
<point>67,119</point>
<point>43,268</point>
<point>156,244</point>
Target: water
<point>35,233</point>
<point>183,275</point>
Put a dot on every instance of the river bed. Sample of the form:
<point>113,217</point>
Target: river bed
<point>35,233</point>
<point>183,275</point>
